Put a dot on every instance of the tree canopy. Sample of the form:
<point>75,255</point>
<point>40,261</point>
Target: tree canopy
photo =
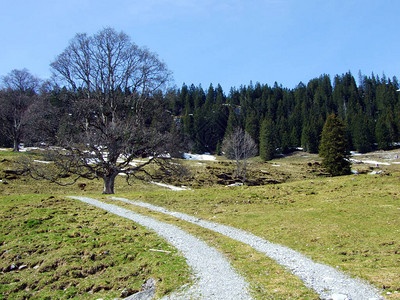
<point>334,148</point>
<point>114,114</point>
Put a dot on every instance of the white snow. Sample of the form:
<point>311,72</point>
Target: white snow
<point>42,161</point>
<point>374,162</point>
<point>353,153</point>
<point>236,184</point>
<point>171,187</point>
<point>205,156</point>
<point>371,162</point>
<point>375,172</point>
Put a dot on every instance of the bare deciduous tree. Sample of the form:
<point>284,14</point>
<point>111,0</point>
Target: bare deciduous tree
<point>239,146</point>
<point>19,93</point>
<point>113,118</point>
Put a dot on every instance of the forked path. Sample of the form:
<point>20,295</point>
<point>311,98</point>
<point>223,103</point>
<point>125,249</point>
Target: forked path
<point>214,276</point>
<point>323,279</point>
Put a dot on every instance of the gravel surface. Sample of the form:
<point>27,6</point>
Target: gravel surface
<point>214,276</point>
<point>328,282</point>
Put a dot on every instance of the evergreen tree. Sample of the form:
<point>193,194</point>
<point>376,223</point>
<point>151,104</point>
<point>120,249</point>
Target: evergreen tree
<point>267,140</point>
<point>252,125</point>
<point>382,134</point>
<point>309,138</point>
<point>362,136</point>
<point>232,122</point>
<point>333,147</point>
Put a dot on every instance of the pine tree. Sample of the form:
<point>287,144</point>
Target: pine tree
<point>382,134</point>
<point>362,136</point>
<point>309,138</point>
<point>267,140</point>
<point>333,147</point>
<point>232,122</point>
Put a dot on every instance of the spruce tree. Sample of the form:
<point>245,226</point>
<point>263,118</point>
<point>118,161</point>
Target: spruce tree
<point>382,134</point>
<point>267,140</point>
<point>333,147</point>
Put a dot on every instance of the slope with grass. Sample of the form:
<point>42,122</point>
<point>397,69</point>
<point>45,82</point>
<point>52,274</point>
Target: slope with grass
<point>325,280</point>
<point>350,223</point>
<point>54,247</point>
<point>214,276</point>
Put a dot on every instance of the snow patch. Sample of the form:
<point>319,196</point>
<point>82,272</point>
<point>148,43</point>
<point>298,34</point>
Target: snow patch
<point>236,184</point>
<point>42,161</point>
<point>205,156</point>
<point>171,187</point>
<point>375,172</point>
<point>354,153</point>
<point>371,162</point>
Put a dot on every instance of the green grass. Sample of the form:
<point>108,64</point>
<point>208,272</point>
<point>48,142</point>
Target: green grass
<point>267,279</point>
<point>52,247</point>
<point>350,222</point>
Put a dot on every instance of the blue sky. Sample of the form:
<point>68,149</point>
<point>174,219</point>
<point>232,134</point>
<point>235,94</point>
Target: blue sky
<point>216,41</point>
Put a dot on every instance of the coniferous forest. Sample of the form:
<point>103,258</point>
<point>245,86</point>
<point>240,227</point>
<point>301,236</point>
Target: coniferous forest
<point>279,119</point>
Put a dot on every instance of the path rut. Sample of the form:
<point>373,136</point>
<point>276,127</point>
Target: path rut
<point>325,280</point>
<point>214,276</point>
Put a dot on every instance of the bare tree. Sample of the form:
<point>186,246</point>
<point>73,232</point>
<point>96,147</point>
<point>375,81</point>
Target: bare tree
<point>20,88</point>
<point>239,146</point>
<point>114,117</point>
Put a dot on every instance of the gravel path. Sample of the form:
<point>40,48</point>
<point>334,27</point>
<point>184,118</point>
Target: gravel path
<point>328,282</point>
<point>215,277</point>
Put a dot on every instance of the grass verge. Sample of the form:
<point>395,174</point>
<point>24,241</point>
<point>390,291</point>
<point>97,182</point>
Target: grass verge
<point>351,222</point>
<point>52,247</point>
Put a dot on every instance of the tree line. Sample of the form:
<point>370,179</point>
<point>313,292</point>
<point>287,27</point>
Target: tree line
<point>278,119</point>
<point>281,119</point>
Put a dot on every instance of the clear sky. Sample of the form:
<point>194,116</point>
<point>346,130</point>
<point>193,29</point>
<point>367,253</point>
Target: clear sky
<point>216,41</point>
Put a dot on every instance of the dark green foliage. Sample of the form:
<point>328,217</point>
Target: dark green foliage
<point>333,147</point>
<point>362,136</point>
<point>370,111</point>
<point>267,140</point>
<point>309,139</point>
<point>382,134</point>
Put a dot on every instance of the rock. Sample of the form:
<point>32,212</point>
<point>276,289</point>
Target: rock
<point>127,292</point>
<point>12,267</point>
<point>22,267</point>
<point>149,290</point>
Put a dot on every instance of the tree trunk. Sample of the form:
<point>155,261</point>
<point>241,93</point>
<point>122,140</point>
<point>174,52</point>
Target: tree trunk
<point>16,146</point>
<point>109,181</point>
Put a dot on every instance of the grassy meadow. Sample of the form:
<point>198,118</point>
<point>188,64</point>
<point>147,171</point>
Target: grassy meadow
<point>54,247</point>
